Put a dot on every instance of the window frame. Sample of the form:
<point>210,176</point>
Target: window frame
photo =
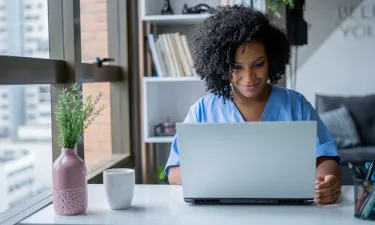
<point>65,67</point>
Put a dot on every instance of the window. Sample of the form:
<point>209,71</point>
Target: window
<point>98,139</point>
<point>25,152</point>
<point>35,17</point>
<point>38,65</point>
<point>31,117</point>
<point>19,26</point>
<point>98,144</point>
<point>44,89</point>
<point>94,30</point>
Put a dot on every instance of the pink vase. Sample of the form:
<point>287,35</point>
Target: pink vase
<point>69,184</point>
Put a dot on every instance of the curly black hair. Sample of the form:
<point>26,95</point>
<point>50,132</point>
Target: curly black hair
<point>216,40</point>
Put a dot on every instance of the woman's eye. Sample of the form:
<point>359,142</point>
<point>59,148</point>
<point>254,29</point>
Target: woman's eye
<point>259,65</point>
<point>237,67</point>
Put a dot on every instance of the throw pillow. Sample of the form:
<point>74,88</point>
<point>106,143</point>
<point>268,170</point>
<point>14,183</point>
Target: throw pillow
<point>341,126</point>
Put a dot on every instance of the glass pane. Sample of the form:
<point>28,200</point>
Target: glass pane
<point>94,32</point>
<point>25,143</point>
<point>24,28</point>
<point>97,138</point>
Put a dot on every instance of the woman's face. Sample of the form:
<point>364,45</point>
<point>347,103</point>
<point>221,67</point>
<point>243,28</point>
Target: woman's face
<point>250,70</point>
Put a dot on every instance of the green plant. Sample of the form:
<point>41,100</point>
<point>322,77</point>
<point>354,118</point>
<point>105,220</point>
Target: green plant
<point>273,6</point>
<point>74,115</point>
<point>159,174</point>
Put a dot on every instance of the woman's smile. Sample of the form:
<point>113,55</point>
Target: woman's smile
<point>251,86</point>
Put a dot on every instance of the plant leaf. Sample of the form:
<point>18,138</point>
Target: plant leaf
<point>74,114</point>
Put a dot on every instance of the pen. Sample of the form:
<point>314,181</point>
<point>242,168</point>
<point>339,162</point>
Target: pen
<point>369,172</point>
<point>367,186</point>
<point>366,203</point>
<point>357,172</point>
<point>369,205</point>
<point>359,212</point>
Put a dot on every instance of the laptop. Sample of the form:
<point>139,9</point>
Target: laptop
<point>248,163</point>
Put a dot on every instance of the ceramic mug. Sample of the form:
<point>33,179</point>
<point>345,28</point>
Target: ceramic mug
<point>119,187</point>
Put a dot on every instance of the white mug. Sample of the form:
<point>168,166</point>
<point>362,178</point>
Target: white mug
<point>119,187</point>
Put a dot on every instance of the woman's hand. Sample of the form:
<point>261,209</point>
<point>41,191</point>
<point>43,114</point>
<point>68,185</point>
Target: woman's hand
<point>327,190</point>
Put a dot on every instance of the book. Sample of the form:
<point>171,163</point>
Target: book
<point>171,55</point>
<point>155,56</point>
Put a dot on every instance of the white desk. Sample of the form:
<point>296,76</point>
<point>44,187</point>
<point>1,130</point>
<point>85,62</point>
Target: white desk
<point>162,204</point>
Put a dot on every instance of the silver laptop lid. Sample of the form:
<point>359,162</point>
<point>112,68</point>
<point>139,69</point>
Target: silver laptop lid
<point>248,160</point>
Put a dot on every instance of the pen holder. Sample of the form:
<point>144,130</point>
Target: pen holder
<point>364,199</point>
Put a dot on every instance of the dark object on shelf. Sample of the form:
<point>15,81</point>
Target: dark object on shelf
<point>99,61</point>
<point>198,9</point>
<point>167,9</point>
<point>167,128</point>
<point>297,27</point>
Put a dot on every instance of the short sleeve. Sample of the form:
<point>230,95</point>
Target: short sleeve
<point>325,144</point>
<point>174,156</point>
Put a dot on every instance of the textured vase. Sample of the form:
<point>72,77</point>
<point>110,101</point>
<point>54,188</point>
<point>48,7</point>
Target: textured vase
<point>69,184</point>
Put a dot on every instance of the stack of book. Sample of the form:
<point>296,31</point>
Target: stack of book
<point>171,55</point>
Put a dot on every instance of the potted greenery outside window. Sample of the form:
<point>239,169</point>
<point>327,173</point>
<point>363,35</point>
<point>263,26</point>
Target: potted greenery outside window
<point>274,5</point>
<point>73,116</point>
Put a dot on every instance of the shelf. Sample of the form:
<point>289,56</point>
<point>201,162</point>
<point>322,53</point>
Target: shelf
<point>167,98</point>
<point>171,79</point>
<point>176,19</point>
<point>159,140</point>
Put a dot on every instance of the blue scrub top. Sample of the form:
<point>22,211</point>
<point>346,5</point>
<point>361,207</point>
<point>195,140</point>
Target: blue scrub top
<point>283,105</point>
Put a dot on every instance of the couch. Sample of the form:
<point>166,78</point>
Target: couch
<point>351,122</point>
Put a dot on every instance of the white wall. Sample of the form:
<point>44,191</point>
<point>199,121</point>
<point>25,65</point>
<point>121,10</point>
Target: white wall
<point>340,56</point>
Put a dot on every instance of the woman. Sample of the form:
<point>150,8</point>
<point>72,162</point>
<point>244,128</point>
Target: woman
<point>241,57</point>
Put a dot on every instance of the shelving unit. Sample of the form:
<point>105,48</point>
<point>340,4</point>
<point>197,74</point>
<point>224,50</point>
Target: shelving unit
<point>175,19</point>
<point>164,97</point>
<point>170,79</point>
<point>167,97</point>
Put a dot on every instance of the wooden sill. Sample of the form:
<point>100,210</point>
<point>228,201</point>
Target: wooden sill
<point>114,161</point>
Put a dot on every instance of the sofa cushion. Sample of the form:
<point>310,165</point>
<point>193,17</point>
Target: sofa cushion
<point>357,154</point>
<point>361,108</point>
<point>341,126</point>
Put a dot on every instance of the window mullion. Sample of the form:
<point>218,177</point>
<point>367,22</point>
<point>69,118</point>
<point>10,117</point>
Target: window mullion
<point>72,38</point>
<point>56,31</point>
<point>119,91</point>
<point>32,71</point>
<point>56,50</point>
<point>72,48</point>
<point>106,73</point>
<point>65,43</point>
